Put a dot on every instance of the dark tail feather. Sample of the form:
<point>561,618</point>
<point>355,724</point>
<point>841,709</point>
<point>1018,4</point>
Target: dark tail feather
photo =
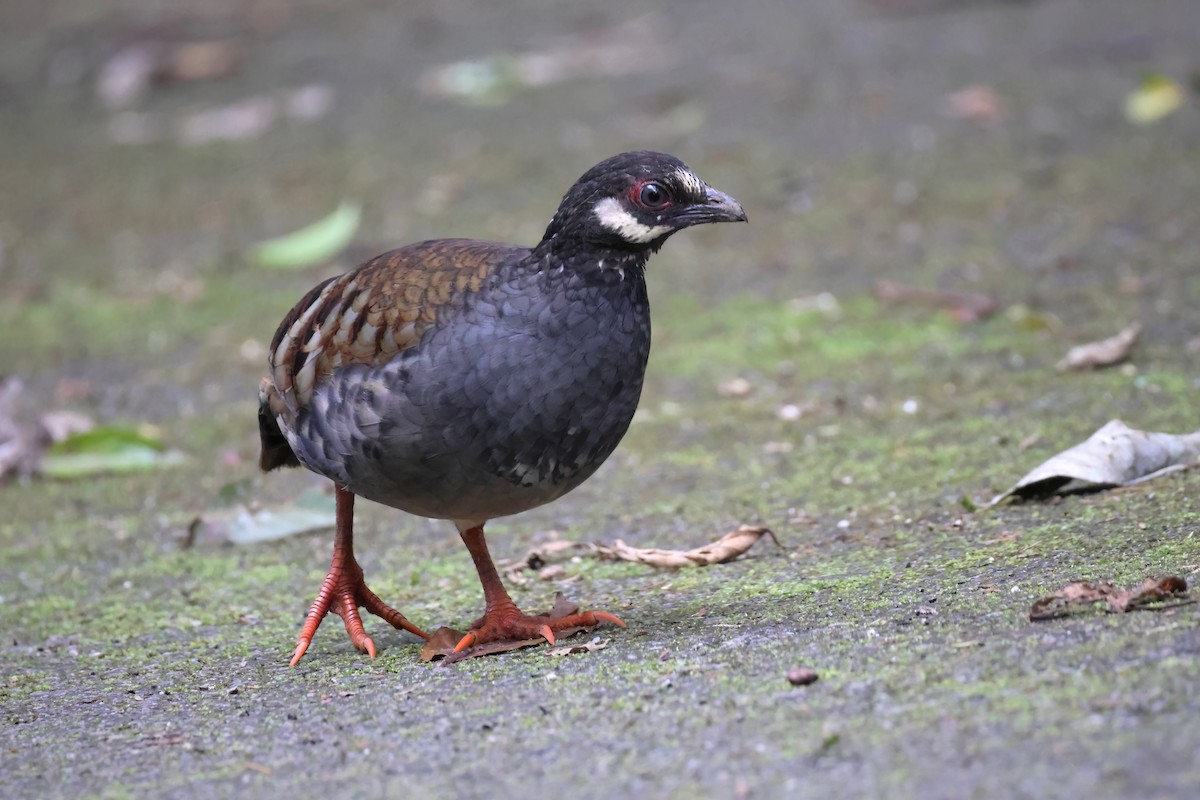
<point>276,452</point>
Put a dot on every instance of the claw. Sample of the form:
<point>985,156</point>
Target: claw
<point>466,641</point>
<point>604,616</point>
<point>547,634</point>
<point>344,590</point>
<point>301,646</point>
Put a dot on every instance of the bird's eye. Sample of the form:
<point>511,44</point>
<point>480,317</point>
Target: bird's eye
<point>653,195</point>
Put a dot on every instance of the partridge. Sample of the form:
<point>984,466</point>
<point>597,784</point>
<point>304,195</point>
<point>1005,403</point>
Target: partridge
<point>467,380</point>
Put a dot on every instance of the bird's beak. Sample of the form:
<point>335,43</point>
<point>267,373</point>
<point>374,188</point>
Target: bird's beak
<point>719,208</point>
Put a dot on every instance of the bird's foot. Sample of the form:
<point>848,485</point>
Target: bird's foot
<point>342,592</point>
<point>509,624</point>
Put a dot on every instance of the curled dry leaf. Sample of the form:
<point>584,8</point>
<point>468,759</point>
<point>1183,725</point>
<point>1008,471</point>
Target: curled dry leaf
<point>1103,353</point>
<point>727,548</point>
<point>1115,455</point>
<point>1118,601</point>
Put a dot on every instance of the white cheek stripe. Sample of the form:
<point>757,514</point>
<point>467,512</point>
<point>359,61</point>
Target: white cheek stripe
<point>612,216</point>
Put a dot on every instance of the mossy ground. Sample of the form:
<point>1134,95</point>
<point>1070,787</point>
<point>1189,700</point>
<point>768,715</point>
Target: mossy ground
<point>134,665</point>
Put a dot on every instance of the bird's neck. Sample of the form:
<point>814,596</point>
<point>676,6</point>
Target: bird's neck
<point>553,253</point>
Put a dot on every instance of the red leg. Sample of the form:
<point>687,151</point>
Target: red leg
<point>502,620</point>
<point>344,590</point>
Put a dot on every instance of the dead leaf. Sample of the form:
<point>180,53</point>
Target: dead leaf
<point>624,49</point>
<point>727,548</point>
<point>441,644</point>
<point>735,387</point>
<point>1115,455</point>
<point>247,118</point>
<point>126,77</point>
<point>1117,601</point>
<point>199,61</point>
<point>21,443</point>
<point>1158,96</point>
<point>1103,353</point>
<point>552,552</point>
<point>578,649</point>
<point>962,306</point>
<point>107,449</point>
<point>308,512</point>
<point>979,103</point>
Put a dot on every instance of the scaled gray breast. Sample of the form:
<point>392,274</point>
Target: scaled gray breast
<point>529,384</point>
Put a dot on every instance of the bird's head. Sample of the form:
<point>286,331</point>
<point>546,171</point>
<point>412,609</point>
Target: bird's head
<point>633,202</point>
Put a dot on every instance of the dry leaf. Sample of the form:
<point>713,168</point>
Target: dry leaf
<point>1118,601</point>
<point>199,61</point>
<point>962,306</point>
<point>1115,455</point>
<point>309,512</point>
<point>735,387</point>
<point>1103,353</point>
<point>551,552</point>
<point>978,102</point>
<point>727,548</point>
<point>441,643</point>
<point>624,49</point>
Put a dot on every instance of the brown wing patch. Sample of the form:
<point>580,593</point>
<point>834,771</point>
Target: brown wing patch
<point>371,313</point>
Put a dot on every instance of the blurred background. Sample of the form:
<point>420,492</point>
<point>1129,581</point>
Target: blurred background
<point>176,175</point>
<point>970,144</point>
<point>943,196</point>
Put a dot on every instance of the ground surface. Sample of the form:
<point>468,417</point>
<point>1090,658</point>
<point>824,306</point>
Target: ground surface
<point>134,666</point>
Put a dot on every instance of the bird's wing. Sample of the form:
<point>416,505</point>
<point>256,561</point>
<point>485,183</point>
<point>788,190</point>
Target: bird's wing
<point>371,313</point>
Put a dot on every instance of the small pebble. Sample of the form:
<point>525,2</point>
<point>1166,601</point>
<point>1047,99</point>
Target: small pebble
<point>802,676</point>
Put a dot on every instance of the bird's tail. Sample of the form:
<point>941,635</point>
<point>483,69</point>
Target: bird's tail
<point>275,452</point>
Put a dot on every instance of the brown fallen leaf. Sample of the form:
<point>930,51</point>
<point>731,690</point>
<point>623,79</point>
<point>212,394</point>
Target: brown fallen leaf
<point>441,643</point>
<point>1103,353</point>
<point>727,548</point>
<point>199,61</point>
<point>978,102</point>
<point>1115,455</point>
<point>962,306</point>
<point>1117,601</point>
